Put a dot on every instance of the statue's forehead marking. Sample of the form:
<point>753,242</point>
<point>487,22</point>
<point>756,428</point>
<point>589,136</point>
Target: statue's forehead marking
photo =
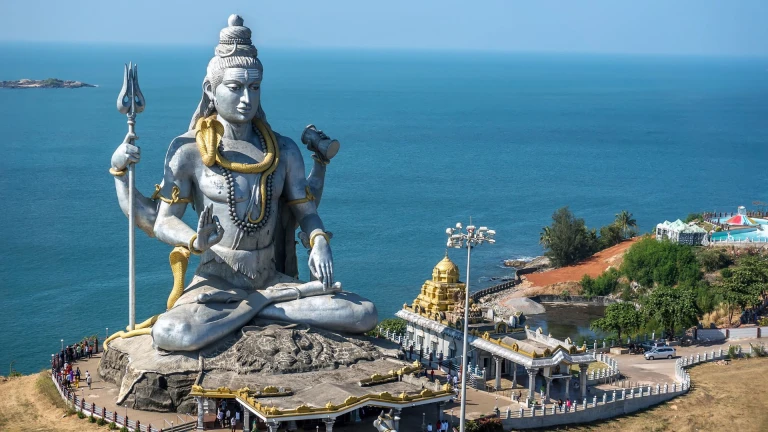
<point>242,74</point>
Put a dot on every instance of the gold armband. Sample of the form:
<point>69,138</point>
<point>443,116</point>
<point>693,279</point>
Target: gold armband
<point>308,198</point>
<point>175,192</point>
<point>116,173</point>
<point>191,247</point>
<point>316,233</point>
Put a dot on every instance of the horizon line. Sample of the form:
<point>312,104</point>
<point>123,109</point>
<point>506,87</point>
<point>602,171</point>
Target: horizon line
<point>291,47</point>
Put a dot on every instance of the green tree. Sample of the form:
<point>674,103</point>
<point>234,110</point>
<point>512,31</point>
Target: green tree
<point>745,285</point>
<point>544,236</point>
<point>650,261</point>
<point>397,325</point>
<point>610,235</point>
<point>619,318</point>
<point>625,221</point>
<point>671,307</point>
<point>569,239</point>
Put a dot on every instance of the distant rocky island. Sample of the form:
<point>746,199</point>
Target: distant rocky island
<point>46,83</point>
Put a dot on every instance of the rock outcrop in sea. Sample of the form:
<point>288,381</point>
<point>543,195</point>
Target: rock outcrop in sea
<point>46,83</point>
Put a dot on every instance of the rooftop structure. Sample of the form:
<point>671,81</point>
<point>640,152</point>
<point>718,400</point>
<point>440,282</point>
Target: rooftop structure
<point>680,232</point>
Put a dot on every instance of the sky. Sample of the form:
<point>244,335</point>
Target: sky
<point>693,27</point>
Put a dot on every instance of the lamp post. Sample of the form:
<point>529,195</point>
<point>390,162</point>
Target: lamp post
<point>62,344</point>
<point>458,238</point>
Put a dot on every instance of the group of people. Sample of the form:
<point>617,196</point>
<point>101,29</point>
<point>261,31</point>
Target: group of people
<point>228,416</point>
<point>61,363</point>
<point>567,404</point>
<point>70,353</point>
<point>69,377</point>
<point>440,426</point>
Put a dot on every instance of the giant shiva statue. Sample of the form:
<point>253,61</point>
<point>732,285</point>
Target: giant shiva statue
<point>248,187</point>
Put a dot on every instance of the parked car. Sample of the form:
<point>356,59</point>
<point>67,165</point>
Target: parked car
<point>649,345</point>
<point>660,352</point>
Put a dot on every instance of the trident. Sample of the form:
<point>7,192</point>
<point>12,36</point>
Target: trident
<point>130,102</point>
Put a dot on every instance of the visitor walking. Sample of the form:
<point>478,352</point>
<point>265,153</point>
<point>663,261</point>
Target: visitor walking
<point>88,379</point>
<point>220,417</point>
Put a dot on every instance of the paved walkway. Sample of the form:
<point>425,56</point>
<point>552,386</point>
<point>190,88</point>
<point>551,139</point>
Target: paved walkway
<point>634,368</point>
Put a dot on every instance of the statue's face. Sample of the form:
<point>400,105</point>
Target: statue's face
<point>237,97</point>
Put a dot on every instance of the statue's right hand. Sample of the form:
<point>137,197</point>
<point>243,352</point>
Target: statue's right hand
<point>126,153</point>
<point>209,230</point>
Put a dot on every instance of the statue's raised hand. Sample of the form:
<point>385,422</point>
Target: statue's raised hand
<point>321,262</point>
<point>126,153</point>
<point>209,230</point>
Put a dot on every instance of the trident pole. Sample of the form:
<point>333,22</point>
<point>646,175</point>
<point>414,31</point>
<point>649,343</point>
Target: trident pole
<point>130,102</point>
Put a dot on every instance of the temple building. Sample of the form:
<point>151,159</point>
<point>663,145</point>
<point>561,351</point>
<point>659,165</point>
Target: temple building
<point>498,348</point>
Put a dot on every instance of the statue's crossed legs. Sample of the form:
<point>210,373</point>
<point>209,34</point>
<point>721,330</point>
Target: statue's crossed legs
<point>209,310</point>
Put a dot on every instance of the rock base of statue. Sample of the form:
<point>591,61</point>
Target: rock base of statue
<point>259,355</point>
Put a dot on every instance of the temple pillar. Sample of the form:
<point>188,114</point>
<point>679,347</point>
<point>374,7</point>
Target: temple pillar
<point>514,374</point>
<point>292,426</point>
<point>273,425</point>
<point>356,415</point>
<point>396,418</point>
<point>549,381</point>
<point>440,407</point>
<point>200,412</point>
<point>328,424</point>
<point>498,372</point>
<point>567,387</point>
<point>583,379</point>
<point>246,420</point>
<point>532,382</point>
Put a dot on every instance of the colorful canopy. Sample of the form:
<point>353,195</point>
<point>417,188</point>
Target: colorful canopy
<point>740,219</point>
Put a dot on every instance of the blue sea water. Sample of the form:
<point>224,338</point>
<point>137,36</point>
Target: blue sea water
<point>428,139</point>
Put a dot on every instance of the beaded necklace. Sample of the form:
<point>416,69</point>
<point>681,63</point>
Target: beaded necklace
<point>247,224</point>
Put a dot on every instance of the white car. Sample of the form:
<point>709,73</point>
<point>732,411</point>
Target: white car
<point>660,352</point>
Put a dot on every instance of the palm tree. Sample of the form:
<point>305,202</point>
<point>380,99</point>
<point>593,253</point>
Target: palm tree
<point>625,221</point>
<point>545,236</point>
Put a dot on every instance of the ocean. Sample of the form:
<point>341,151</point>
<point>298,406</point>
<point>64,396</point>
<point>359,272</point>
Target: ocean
<point>428,139</point>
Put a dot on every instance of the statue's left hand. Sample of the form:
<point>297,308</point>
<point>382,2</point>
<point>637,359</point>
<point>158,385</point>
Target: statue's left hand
<point>321,262</point>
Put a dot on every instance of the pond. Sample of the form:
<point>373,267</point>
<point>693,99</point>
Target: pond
<point>568,320</point>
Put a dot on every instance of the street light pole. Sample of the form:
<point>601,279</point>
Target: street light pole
<point>457,239</point>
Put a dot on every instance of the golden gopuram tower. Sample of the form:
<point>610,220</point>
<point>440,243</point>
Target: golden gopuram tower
<point>439,295</point>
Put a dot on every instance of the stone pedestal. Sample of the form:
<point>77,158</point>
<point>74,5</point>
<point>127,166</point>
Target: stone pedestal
<point>329,424</point>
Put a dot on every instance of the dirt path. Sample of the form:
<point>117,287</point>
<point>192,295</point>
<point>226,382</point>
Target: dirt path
<point>593,266</point>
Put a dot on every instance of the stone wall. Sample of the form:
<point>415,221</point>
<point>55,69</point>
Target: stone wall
<point>597,300</point>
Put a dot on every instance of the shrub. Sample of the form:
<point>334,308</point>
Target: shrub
<point>714,259</point>
<point>726,273</point>
<point>101,422</point>
<point>694,217</point>
<point>605,284</point>
<point>80,415</point>
<point>650,261</point>
<point>758,350</point>
<point>124,429</point>
<point>91,418</point>
<point>732,352</point>
<point>112,426</point>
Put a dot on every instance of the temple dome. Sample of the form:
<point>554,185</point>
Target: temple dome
<point>446,271</point>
